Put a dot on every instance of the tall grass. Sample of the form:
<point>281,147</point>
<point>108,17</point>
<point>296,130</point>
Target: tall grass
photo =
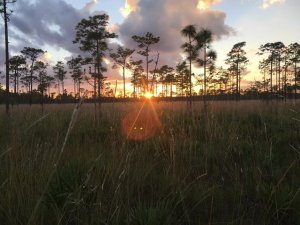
<point>232,163</point>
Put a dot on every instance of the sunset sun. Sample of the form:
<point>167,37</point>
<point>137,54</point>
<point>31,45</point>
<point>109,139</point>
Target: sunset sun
<point>148,95</point>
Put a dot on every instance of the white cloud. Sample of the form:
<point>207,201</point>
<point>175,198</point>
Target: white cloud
<point>205,4</point>
<point>90,5</point>
<point>267,3</point>
<point>166,18</point>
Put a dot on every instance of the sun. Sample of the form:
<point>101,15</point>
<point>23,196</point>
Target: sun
<point>148,95</point>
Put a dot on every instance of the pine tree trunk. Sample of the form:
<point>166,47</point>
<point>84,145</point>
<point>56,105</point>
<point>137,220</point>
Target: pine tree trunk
<point>6,58</point>
<point>124,93</point>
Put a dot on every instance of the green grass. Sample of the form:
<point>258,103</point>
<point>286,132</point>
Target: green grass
<point>235,163</point>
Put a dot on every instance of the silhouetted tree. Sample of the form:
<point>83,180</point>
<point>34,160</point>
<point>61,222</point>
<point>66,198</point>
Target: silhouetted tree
<point>263,67</point>
<point>60,75</point>
<point>6,13</point>
<point>237,61</point>
<point>182,77</point>
<point>154,78</point>
<point>92,37</point>
<point>75,64</point>
<point>144,42</point>
<point>120,60</point>
<point>286,65</point>
<point>137,75</point>
<point>17,65</point>
<point>167,76</point>
<point>222,78</point>
<point>279,50</point>
<point>31,54</point>
<point>272,50</point>
<point>294,50</point>
<point>42,79</point>
<point>204,38</point>
<point>191,48</point>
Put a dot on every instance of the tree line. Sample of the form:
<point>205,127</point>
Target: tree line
<point>28,73</point>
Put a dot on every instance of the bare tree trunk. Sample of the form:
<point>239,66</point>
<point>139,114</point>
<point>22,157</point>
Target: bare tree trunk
<point>147,66</point>
<point>6,57</point>
<point>63,90</point>
<point>285,79</point>
<point>190,59</point>
<point>124,93</point>
<point>264,80</point>
<point>271,85</point>
<point>295,77</point>
<point>237,81</point>
<point>31,81</point>
<point>279,73</point>
<point>15,83</point>
<point>74,88</point>
<point>204,67</point>
<point>18,84</point>
<point>79,89</point>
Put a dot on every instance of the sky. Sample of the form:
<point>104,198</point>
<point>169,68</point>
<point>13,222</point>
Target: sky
<point>49,24</point>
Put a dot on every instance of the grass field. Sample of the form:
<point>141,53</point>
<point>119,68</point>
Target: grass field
<point>233,163</point>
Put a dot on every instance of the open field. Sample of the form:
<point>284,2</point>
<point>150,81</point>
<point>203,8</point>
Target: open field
<point>233,163</point>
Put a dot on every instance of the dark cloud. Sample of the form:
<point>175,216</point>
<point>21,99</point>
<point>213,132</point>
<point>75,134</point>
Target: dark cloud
<point>166,18</point>
<point>46,22</point>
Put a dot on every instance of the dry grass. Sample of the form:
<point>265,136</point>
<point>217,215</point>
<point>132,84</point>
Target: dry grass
<point>234,163</point>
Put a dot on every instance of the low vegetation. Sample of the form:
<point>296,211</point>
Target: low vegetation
<point>232,163</point>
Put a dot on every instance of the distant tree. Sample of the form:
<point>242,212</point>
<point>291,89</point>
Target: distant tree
<point>108,91</point>
<point>144,42</point>
<point>182,77</point>
<point>294,50</point>
<point>42,79</point>
<point>137,75</point>
<point>237,61</point>
<point>17,64</point>
<point>190,47</point>
<point>204,38</point>
<point>25,80</point>
<point>272,50</point>
<point>31,54</point>
<point>279,51</point>
<point>60,75</point>
<point>212,80</point>
<point>6,14</point>
<point>75,64</point>
<point>120,60</point>
<point>222,78</point>
<point>263,67</point>
<point>287,63</point>
<point>167,76</point>
<point>154,75</point>
<point>92,37</point>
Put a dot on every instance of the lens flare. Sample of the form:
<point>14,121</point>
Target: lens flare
<point>148,95</point>
<point>142,124</point>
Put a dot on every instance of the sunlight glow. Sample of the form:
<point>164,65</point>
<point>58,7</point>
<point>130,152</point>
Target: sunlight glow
<point>106,60</point>
<point>267,3</point>
<point>128,8</point>
<point>148,95</point>
<point>202,5</point>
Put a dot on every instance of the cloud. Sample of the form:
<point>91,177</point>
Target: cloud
<point>205,4</point>
<point>130,6</point>
<point>166,18</point>
<point>267,3</point>
<point>46,22</point>
<point>90,5</point>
